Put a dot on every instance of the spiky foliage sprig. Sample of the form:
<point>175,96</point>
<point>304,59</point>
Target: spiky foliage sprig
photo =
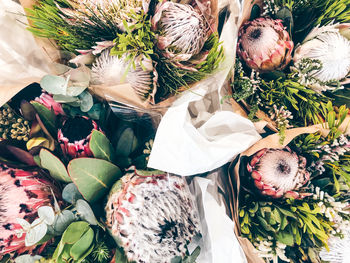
<point>320,12</point>
<point>172,78</point>
<point>292,229</point>
<point>287,91</point>
<point>49,21</point>
<point>330,154</point>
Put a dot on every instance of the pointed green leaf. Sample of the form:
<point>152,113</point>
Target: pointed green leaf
<point>47,116</point>
<point>101,146</point>
<point>93,177</point>
<point>54,165</point>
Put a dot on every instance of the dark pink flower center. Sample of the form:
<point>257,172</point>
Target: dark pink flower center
<point>77,128</point>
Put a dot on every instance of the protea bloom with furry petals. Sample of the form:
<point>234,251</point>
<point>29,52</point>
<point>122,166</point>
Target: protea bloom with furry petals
<point>74,136</point>
<point>112,70</point>
<point>21,194</point>
<point>183,30</point>
<point>264,44</point>
<point>279,173</point>
<point>331,46</point>
<point>151,216</point>
<point>48,101</point>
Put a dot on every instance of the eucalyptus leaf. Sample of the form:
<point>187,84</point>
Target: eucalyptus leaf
<point>27,259</point>
<point>65,99</point>
<point>95,111</point>
<point>127,143</point>
<point>37,232</point>
<point>82,245</point>
<point>46,214</point>
<point>74,232</point>
<point>54,165</point>
<point>62,221</point>
<point>101,146</point>
<point>54,84</point>
<point>23,223</point>
<point>71,193</point>
<point>86,101</point>
<point>85,212</point>
<point>93,177</point>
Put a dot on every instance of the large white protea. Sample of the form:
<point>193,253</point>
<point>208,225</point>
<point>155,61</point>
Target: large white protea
<point>151,216</point>
<point>331,47</point>
<point>183,30</point>
<point>142,76</point>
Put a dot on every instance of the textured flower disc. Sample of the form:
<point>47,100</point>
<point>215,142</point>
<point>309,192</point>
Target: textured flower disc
<point>153,217</point>
<point>21,194</point>
<point>74,136</point>
<point>329,47</point>
<point>278,173</point>
<point>111,70</point>
<point>264,44</point>
<point>183,30</point>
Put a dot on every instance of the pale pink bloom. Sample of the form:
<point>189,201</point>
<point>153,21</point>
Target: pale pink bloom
<point>48,101</point>
<point>264,44</point>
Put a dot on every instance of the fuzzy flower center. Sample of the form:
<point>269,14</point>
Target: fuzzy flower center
<point>260,41</point>
<point>77,128</point>
<point>280,169</point>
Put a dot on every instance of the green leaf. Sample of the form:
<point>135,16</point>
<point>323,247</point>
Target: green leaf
<point>62,221</point>
<point>101,146</point>
<point>47,116</point>
<point>85,212</point>
<point>54,84</point>
<point>64,99</point>
<point>127,143</point>
<point>93,177</point>
<point>71,193</point>
<point>74,232</point>
<point>86,101</point>
<point>82,245</point>
<point>54,165</point>
<point>285,238</point>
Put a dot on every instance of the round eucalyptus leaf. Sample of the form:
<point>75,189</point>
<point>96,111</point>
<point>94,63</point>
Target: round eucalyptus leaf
<point>71,193</point>
<point>54,84</point>
<point>85,212</point>
<point>27,259</point>
<point>24,224</point>
<point>62,221</point>
<point>46,214</point>
<point>86,101</point>
<point>37,232</point>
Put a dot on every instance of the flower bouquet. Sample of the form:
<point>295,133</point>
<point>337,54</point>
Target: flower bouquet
<point>290,190</point>
<point>138,53</point>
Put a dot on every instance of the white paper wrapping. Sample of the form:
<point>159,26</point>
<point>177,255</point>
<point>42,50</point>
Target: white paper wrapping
<point>199,133</point>
<point>219,243</point>
<point>21,60</point>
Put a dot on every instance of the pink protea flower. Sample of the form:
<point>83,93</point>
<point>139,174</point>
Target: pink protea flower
<point>152,216</point>
<point>21,194</point>
<point>264,44</point>
<point>74,136</point>
<point>48,101</point>
<point>279,173</point>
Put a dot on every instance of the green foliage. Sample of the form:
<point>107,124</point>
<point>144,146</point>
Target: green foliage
<point>171,77</point>
<point>48,21</point>
<point>295,223</point>
<point>138,39</point>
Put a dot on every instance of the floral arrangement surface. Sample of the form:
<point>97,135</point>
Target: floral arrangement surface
<point>158,48</point>
<point>74,186</point>
<point>292,72</point>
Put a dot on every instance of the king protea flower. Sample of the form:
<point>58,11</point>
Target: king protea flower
<point>183,30</point>
<point>48,101</point>
<point>331,46</point>
<point>21,194</point>
<point>74,136</point>
<point>111,70</point>
<point>264,44</point>
<point>152,216</point>
<point>279,173</point>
